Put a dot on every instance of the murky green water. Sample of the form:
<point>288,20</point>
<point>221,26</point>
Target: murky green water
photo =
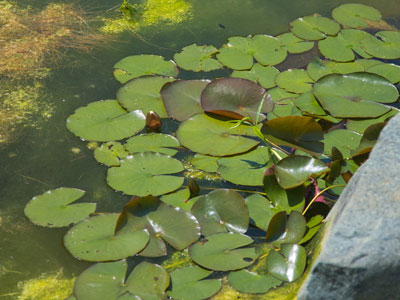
<point>40,160</point>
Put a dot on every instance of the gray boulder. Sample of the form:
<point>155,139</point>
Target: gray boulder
<point>360,256</point>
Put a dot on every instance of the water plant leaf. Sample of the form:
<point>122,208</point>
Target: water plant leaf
<point>355,15</point>
<point>249,282</point>
<point>197,58</point>
<point>140,65</point>
<point>237,53</point>
<point>109,153</point>
<point>314,27</point>
<point>294,80</point>
<point>307,103</point>
<point>105,121</point>
<point>289,263</point>
<point>153,142</point>
<point>294,170</point>
<point>264,75</point>
<point>261,210</point>
<point>295,228</point>
<point>294,44</point>
<point>235,97</point>
<point>187,284</point>
<point>245,169</point>
<point>344,140</point>
<point>144,94</point>
<point>221,210</point>
<point>367,63</point>
<point>389,71</point>
<point>283,103</point>
<point>223,252</point>
<point>205,162</point>
<point>51,209</point>
<point>207,135</point>
<point>268,50</point>
<point>182,98</point>
<point>146,173</point>
<point>313,226</point>
<point>295,131</point>
<point>355,95</point>
<point>318,68</point>
<point>276,227</point>
<point>149,213</point>
<point>360,125</point>
<point>368,139</point>
<point>93,239</point>
<point>385,44</point>
<point>180,198</point>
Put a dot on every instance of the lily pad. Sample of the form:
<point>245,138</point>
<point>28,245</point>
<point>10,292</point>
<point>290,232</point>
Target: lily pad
<point>205,162</point>
<point>264,75</point>
<point>187,284</point>
<point>295,81</point>
<point>140,65</point>
<point>105,121</point>
<point>207,135</point>
<point>223,252</point>
<point>268,50</point>
<point>180,198</point>
<point>369,139</point>
<point>221,210</point>
<point>245,169</point>
<point>283,103</point>
<point>385,44</point>
<point>153,142</point>
<point>182,98</point>
<point>294,44</point>
<point>149,213</point>
<point>283,229</point>
<point>197,58</point>
<point>355,15</point>
<point>235,98</point>
<point>145,173</point>
<point>249,282</point>
<point>289,263</point>
<point>389,71</point>
<point>344,140</point>
<point>93,239</point>
<point>355,95</point>
<point>314,27</point>
<point>51,209</point>
<point>109,153</point>
<point>361,125</point>
<point>144,94</point>
<point>318,68</point>
<point>313,226</point>
<point>307,103</point>
<point>236,54</point>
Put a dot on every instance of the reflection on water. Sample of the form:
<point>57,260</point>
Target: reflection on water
<point>40,160</point>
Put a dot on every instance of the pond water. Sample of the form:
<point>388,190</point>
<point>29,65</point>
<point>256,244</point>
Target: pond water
<point>40,160</point>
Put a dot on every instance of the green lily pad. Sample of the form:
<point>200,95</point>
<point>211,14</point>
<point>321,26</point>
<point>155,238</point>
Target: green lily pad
<point>140,65</point>
<point>207,135</point>
<point>283,103</point>
<point>105,121</point>
<point>295,81</point>
<point>144,94</point>
<point>235,98</point>
<point>268,50</point>
<point>313,226</point>
<point>109,153</point>
<point>355,95</point>
<point>237,53</point>
<point>145,173</point>
<point>153,142</point>
<point>182,98</point>
<point>288,264</point>
<point>344,140</point>
<point>245,169</point>
<point>51,209</point>
<point>295,131</point>
<point>264,75</point>
<point>307,103</point>
<point>149,213</point>
<point>205,162</point>
<point>93,239</point>
<point>368,139</point>
<point>197,58</point>
<point>223,252</point>
<point>187,284</point>
<point>249,282</point>
<point>318,68</point>
<point>283,229</point>
<point>221,210</point>
<point>389,71</point>
<point>340,48</point>
<point>385,44</point>
<point>361,125</point>
<point>314,27</point>
<point>180,198</point>
<point>294,44</point>
<point>355,15</point>
<point>367,63</point>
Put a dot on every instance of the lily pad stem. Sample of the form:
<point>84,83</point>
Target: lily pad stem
<point>319,194</point>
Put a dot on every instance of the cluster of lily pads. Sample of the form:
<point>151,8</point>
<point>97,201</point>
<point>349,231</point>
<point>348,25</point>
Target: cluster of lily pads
<point>284,137</point>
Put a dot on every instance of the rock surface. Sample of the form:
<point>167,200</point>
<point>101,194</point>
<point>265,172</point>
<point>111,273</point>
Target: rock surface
<point>360,256</point>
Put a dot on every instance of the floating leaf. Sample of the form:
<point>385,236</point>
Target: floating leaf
<point>294,80</point>
<point>294,230</point>
<point>180,198</point>
<point>105,121</point>
<point>223,252</point>
<point>276,227</point>
<point>343,140</point>
<point>144,94</point>
<point>318,68</point>
<point>149,213</point>
<point>369,139</point>
<point>313,227</point>
<point>283,103</point>
<point>221,210</point>
<point>51,209</point>
<point>265,76</point>
<point>249,282</point>
<point>355,95</point>
<point>237,53</point>
<point>268,50</point>
<point>314,27</point>
<point>182,98</point>
<point>145,173</point>
<point>261,211</point>
<point>197,58</point>
<point>245,169</point>
<point>385,44</point>
<point>367,63</point>
<point>187,284</point>
<point>307,103</point>
<point>389,71</point>
<point>140,65</point>
<point>289,263</point>
<point>205,163</point>
<point>294,44</point>
<point>360,125</point>
<point>154,142</point>
<point>109,153</point>
<point>355,15</point>
<point>93,239</point>
<point>207,135</point>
